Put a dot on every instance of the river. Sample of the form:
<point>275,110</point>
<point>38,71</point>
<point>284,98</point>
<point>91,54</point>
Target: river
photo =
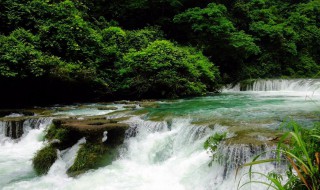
<point>164,144</point>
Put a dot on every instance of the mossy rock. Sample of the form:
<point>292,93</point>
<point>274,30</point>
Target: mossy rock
<point>65,137</point>
<point>93,129</point>
<point>44,159</point>
<point>255,137</point>
<point>92,156</point>
<point>107,108</point>
<point>149,104</point>
<point>125,102</point>
<point>130,106</point>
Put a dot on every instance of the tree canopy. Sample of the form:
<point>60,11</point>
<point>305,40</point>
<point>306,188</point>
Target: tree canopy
<point>160,48</point>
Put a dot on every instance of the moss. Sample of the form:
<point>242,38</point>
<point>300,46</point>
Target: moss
<point>66,137</point>
<point>44,159</point>
<point>54,132</point>
<point>251,136</point>
<point>92,156</point>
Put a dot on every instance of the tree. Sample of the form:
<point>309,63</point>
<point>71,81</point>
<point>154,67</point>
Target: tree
<point>165,70</point>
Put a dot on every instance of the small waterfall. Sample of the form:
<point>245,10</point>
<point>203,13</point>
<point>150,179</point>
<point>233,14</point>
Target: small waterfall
<point>14,128</point>
<point>233,156</point>
<point>289,85</point>
<point>138,125</point>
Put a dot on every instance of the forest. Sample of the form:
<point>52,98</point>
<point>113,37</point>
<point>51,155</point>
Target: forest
<point>64,51</point>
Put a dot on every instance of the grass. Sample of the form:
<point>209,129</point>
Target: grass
<point>300,148</point>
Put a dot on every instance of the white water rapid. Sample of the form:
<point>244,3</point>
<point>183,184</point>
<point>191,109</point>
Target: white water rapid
<point>156,156</point>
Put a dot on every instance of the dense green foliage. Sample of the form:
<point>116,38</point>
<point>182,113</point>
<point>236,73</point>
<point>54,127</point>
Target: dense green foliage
<point>165,70</point>
<point>44,159</point>
<point>83,50</point>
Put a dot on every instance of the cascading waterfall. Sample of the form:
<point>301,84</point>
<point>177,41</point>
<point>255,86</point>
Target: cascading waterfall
<point>155,156</point>
<point>287,85</point>
<point>232,157</point>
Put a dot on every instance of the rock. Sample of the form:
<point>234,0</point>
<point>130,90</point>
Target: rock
<point>64,133</point>
<point>93,129</point>
<point>130,106</point>
<point>149,104</point>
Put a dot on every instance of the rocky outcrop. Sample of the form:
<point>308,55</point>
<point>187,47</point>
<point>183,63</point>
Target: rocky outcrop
<point>102,135</point>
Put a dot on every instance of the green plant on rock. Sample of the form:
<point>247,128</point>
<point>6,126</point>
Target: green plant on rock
<point>212,143</point>
<point>55,132</point>
<point>91,156</point>
<point>44,159</point>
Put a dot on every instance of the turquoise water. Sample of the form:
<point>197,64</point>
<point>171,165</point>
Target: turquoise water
<point>242,107</point>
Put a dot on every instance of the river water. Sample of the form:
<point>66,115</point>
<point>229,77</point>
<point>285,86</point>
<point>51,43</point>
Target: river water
<point>164,147</point>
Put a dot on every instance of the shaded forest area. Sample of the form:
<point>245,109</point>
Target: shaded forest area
<point>63,51</point>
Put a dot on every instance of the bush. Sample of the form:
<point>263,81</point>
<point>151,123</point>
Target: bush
<point>164,70</point>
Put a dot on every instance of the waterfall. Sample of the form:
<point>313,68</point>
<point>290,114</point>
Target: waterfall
<point>156,155</point>
<point>232,157</point>
<point>138,125</point>
<point>14,128</point>
<point>286,85</point>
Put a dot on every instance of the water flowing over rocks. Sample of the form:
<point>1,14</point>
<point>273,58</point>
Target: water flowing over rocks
<point>293,85</point>
<point>15,127</point>
<point>156,145</point>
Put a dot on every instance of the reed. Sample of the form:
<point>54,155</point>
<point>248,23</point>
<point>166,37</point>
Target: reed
<point>300,149</point>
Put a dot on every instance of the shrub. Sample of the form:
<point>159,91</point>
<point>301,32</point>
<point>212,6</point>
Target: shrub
<point>164,70</point>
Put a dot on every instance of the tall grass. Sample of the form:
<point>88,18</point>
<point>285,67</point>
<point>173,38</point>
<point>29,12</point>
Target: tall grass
<point>300,149</point>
